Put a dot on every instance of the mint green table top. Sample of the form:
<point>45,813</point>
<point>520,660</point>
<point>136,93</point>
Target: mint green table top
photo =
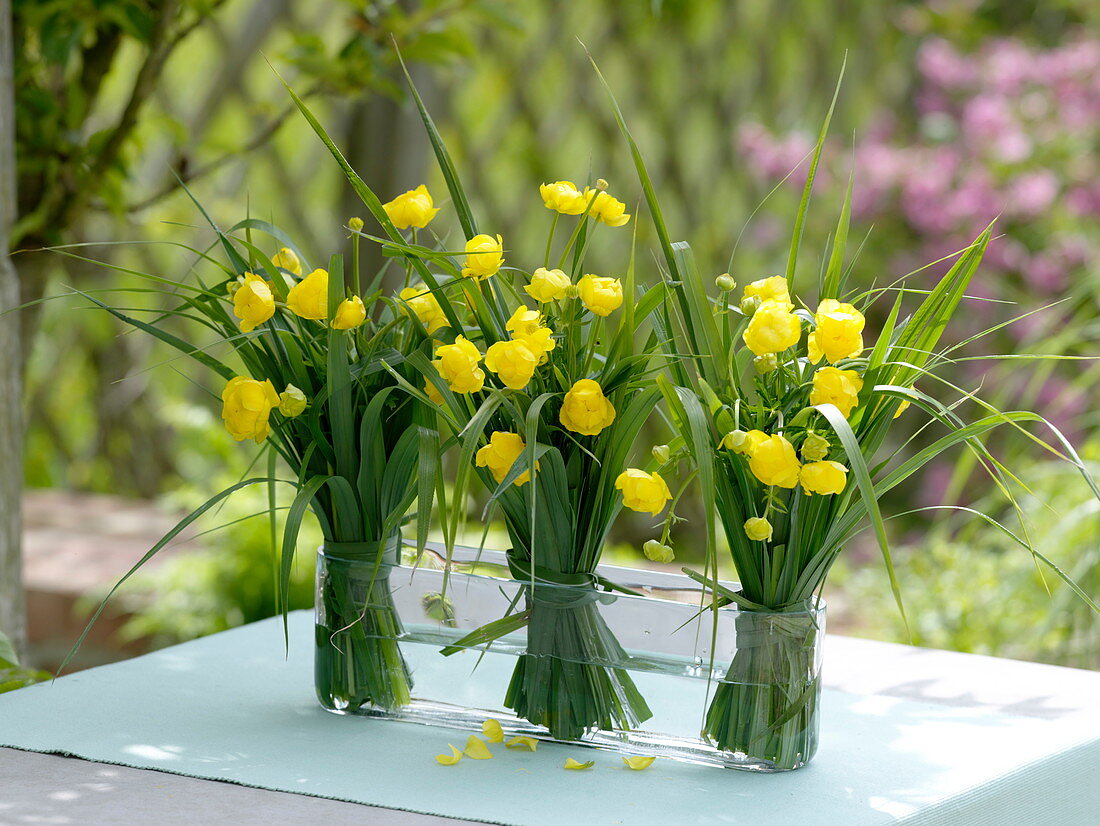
<point>908,736</point>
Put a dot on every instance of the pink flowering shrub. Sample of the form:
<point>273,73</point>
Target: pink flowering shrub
<point>1009,132</point>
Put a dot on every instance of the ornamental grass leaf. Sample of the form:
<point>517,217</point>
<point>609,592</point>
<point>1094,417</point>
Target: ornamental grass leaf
<point>492,731</point>
<point>476,749</point>
<point>449,759</point>
<point>570,763</point>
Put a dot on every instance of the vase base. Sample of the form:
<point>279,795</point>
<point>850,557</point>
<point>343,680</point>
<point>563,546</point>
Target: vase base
<point>634,742</point>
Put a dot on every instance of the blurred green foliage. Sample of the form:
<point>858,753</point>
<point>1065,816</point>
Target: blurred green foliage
<point>973,588</point>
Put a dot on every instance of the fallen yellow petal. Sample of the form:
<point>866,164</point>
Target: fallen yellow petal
<point>638,763</point>
<point>492,731</point>
<point>451,759</point>
<point>570,763</point>
<point>476,749</point>
<point>522,743</point>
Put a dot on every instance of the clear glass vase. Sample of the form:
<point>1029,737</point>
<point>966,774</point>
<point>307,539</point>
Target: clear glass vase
<point>358,660</point>
<point>751,679</point>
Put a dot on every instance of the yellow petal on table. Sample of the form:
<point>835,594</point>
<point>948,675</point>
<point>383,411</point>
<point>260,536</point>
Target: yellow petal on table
<point>476,749</point>
<point>522,743</point>
<point>570,763</point>
<point>451,759</point>
<point>638,763</point>
<point>492,731</point>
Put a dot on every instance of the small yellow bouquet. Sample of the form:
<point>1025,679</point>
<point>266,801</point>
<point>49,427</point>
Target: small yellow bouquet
<point>542,387</point>
<point>312,359</point>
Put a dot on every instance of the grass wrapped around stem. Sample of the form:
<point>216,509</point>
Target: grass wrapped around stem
<point>358,660</point>
<point>570,679</point>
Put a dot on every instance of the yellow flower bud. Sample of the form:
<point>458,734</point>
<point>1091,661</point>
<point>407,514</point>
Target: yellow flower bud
<point>758,529</point>
<point>838,387</point>
<point>750,305</point>
<point>838,334</point>
<point>766,363</point>
<point>774,462</point>
<point>292,402</point>
<point>585,409</point>
<point>411,209</point>
<point>309,297</point>
<point>773,328</point>
<point>523,322</point>
<point>600,295</point>
<point>606,209</point>
<point>355,224</point>
<point>725,282</point>
<point>500,454</point>
<point>484,256</point>
<point>823,477</point>
<point>643,492</point>
<point>602,184</point>
<point>661,453</point>
<point>744,443</point>
<point>815,447</point>
<point>253,301</point>
<point>288,260</point>
<point>350,313</point>
<point>548,285</point>
<point>457,364</point>
<point>513,361</point>
<point>902,408</point>
<point>425,306</point>
<point>563,197</point>
<point>770,289</point>
<point>246,405</point>
<point>658,552</point>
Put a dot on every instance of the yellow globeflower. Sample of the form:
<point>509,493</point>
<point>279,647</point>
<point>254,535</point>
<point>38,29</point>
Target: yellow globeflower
<point>770,289</point>
<point>606,209</point>
<point>349,314</point>
<point>500,454</point>
<point>563,197</point>
<point>643,492</point>
<point>484,256</point>
<point>457,364</point>
<point>835,386</point>
<point>773,329</point>
<point>838,334</point>
<point>601,295</point>
<point>585,409</point>
<point>432,393</point>
<point>309,297</point>
<point>540,342</point>
<point>253,302</point>
<point>246,405</point>
<point>823,477</point>
<point>774,462</point>
<point>292,402</point>
<point>758,529</point>
<point>744,443</point>
<point>411,209</point>
<point>548,285</point>
<point>287,259</point>
<point>425,305</point>
<point>513,361</point>
<point>523,322</point>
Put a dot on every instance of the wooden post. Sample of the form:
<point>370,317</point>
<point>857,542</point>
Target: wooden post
<point>12,604</point>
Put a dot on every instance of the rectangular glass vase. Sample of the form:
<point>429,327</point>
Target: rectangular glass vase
<point>647,674</point>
